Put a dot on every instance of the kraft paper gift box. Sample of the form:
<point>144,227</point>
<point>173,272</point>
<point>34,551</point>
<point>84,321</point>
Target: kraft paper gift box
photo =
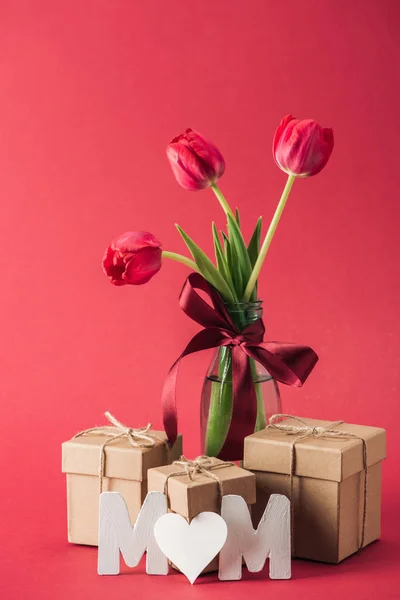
<point>125,471</point>
<point>328,483</point>
<point>190,496</point>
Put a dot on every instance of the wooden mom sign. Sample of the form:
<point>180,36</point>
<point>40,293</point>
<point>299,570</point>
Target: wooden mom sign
<point>191,547</point>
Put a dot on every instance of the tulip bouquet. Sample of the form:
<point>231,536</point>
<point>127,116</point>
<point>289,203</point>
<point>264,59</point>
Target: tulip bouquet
<point>301,148</point>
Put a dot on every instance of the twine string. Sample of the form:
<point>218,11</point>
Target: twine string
<point>202,465</point>
<point>141,437</point>
<point>304,431</point>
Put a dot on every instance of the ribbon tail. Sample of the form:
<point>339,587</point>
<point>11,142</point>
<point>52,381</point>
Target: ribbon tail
<point>244,409</point>
<point>290,364</point>
<point>204,340</point>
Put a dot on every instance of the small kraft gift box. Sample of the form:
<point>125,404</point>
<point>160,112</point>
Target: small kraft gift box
<point>195,486</point>
<point>332,474</point>
<point>111,458</point>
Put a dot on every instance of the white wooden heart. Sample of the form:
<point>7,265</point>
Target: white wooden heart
<point>191,547</point>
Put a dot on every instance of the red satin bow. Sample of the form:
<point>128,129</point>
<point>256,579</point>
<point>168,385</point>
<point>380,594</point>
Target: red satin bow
<point>286,362</point>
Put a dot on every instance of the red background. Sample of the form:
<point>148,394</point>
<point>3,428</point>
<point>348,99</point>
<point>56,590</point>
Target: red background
<point>91,92</point>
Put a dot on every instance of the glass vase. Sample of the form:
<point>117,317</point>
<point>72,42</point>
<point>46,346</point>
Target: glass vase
<point>216,400</point>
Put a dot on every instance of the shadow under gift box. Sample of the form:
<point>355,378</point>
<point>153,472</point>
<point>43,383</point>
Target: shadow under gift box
<point>328,485</point>
<point>125,472</point>
<point>189,497</point>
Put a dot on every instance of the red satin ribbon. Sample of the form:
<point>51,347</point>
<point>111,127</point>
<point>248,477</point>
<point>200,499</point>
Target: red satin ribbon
<point>286,362</point>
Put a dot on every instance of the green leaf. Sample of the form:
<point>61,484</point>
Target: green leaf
<point>206,267</point>
<point>218,249</point>
<point>237,276</point>
<point>226,245</point>
<point>227,250</point>
<point>237,217</point>
<point>253,248</point>
<point>237,241</point>
<point>240,256</point>
<point>233,265</point>
<point>221,260</point>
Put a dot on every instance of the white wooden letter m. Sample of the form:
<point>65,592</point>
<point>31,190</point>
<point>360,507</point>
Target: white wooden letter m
<point>271,539</point>
<point>116,533</point>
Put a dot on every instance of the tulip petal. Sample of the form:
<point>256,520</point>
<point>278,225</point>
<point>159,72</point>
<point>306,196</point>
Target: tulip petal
<point>282,134</point>
<point>143,265</point>
<point>213,161</point>
<point>112,267</point>
<point>280,130</point>
<point>133,258</point>
<point>132,241</point>
<point>195,162</point>
<point>187,168</point>
<point>302,147</point>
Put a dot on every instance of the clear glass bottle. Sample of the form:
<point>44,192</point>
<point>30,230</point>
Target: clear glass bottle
<point>216,400</point>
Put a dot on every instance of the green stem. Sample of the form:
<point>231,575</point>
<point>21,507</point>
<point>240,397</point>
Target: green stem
<point>222,200</point>
<point>180,258</point>
<point>221,405</point>
<point>220,409</point>
<point>221,397</point>
<point>268,239</point>
<point>261,421</point>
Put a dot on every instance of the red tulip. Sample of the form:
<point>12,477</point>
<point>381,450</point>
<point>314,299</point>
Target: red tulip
<point>302,148</point>
<point>196,163</point>
<point>133,258</point>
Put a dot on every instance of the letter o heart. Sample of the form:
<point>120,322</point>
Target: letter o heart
<point>191,547</point>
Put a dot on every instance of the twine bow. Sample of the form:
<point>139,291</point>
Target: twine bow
<point>202,465</point>
<point>305,431</point>
<point>141,437</point>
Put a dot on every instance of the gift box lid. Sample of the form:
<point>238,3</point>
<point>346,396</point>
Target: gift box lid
<point>329,458</point>
<point>81,455</point>
<point>189,497</point>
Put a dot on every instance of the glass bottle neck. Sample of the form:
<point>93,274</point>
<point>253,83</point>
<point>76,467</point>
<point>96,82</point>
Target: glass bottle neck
<point>245,313</point>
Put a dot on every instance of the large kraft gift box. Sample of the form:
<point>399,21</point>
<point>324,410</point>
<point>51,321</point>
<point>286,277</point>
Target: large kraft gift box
<point>191,495</point>
<point>125,471</point>
<point>328,483</point>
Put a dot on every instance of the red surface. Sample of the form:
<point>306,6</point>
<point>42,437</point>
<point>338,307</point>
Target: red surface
<point>91,92</point>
